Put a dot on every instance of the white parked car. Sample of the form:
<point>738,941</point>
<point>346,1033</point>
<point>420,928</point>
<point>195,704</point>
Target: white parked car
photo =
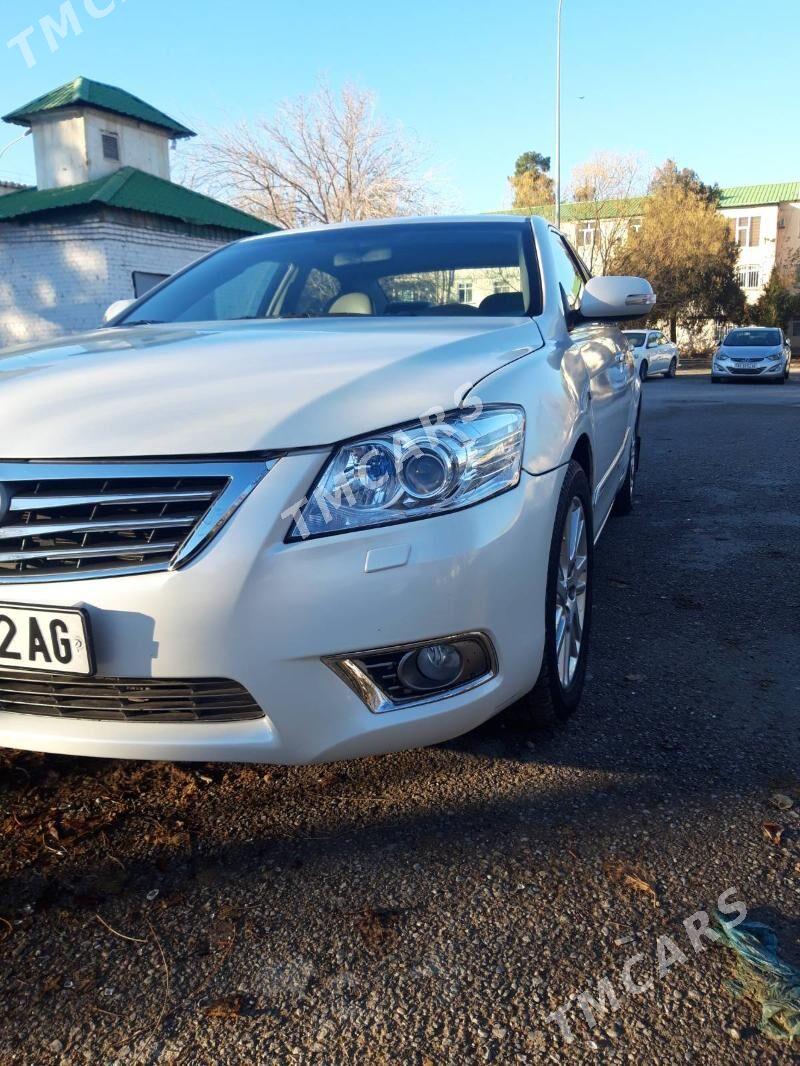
<point>654,353</point>
<point>761,352</point>
<point>321,495</point>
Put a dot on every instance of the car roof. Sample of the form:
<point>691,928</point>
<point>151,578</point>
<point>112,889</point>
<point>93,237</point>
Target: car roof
<point>752,329</point>
<point>403,220</point>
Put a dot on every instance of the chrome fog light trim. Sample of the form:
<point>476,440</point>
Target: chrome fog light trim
<point>373,674</point>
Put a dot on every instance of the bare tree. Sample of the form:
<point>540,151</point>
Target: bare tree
<point>319,159</point>
<point>606,187</point>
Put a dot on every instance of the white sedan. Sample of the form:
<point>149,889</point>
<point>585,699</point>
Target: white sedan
<point>323,494</point>
<point>755,353</point>
<point>654,353</point>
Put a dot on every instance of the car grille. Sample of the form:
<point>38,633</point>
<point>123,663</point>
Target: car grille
<point>747,370</point>
<point>113,699</point>
<point>68,521</point>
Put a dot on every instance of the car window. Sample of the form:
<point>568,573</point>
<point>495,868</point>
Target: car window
<point>567,272</point>
<point>753,338</point>
<point>652,340</point>
<point>318,293</point>
<point>476,268</point>
<point>238,297</point>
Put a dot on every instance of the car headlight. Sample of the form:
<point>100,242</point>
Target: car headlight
<point>415,471</point>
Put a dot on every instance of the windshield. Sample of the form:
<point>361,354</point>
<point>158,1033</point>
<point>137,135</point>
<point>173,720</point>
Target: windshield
<point>636,339</point>
<point>753,338</point>
<point>441,268</point>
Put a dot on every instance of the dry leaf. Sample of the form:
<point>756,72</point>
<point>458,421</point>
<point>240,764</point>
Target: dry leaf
<point>377,925</point>
<point>773,832</point>
<point>619,871</point>
<point>224,1007</point>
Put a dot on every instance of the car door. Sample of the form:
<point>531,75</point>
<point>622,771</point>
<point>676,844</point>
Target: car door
<point>652,351</point>
<point>670,352</point>
<point>608,361</point>
<point>660,359</point>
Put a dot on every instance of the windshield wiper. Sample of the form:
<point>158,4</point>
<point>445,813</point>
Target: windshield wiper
<point>144,322</point>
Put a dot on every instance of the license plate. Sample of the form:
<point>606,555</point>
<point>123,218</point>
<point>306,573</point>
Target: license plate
<point>43,638</point>
<point>743,366</point>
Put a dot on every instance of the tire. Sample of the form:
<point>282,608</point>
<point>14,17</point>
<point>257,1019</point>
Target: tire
<point>623,502</point>
<point>551,699</point>
<point>643,371</point>
<point>672,370</point>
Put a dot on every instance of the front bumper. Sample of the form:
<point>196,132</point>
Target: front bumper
<point>265,614</point>
<point>757,370</point>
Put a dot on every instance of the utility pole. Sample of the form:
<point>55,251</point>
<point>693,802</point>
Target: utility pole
<point>558,116</point>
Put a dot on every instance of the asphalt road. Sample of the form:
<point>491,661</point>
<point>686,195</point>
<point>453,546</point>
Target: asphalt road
<point>438,906</point>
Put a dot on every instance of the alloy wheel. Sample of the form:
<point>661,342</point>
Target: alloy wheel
<point>571,589</point>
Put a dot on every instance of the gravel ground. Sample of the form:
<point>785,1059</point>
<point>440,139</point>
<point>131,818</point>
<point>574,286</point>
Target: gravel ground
<point>438,906</point>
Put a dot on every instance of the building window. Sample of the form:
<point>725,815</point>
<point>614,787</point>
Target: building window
<point>143,282</point>
<point>747,231</point>
<point>796,327</point>
<point>111,146</point>
<point>465,292</point>
<point>585,234</point>
<point>749,277</point>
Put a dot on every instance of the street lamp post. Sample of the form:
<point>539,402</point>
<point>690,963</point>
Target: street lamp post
<point>16,140</point>
<point>558,116</point>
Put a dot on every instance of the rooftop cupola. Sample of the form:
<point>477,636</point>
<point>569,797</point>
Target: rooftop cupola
<point>86,130</point>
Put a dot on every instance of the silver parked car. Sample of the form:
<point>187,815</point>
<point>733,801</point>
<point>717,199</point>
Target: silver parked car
<point>755,352</point>
<point>653,353</point>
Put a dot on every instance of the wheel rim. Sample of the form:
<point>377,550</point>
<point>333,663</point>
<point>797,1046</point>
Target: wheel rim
<point>571,591</point>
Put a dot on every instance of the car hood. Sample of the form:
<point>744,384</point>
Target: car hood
<point>755,351</point>
<point>212,389</point>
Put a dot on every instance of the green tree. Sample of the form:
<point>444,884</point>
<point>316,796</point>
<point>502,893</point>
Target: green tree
<point>531,184</point>
<point>686,251</point>
<point>532,163</point>
<point>668,176</point>
<point>779,303</point>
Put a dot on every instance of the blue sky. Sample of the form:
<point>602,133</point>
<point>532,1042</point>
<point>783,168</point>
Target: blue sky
<point>708,83</point>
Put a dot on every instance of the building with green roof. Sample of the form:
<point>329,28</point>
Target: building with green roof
<point>764,221</point>
<point>104,221</point>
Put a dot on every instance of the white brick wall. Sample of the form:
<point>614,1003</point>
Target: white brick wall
<point>57,279</point>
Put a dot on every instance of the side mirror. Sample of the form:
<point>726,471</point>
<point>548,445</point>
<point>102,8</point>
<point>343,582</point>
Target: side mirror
<point>115,309</point>
<point>617,299</point>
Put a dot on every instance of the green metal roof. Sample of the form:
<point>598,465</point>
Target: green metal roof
<point>760,195</point>
<point>575,212</point>
<point>129,189</point>
<point>103,98</point>
<point>736,196</point>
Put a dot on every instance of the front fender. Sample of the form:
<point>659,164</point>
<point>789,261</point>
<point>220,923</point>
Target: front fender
<point>552,384</point>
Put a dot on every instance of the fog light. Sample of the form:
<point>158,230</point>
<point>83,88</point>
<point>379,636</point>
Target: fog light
<point>389,678</point>
<point>430,667</point>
